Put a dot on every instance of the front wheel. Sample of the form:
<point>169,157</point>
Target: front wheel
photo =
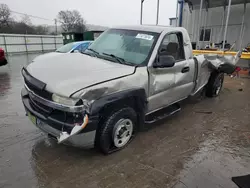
<point>214,84</point>
<point>117,130</point>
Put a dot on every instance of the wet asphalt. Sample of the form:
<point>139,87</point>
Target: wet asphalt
<point>203,146</point>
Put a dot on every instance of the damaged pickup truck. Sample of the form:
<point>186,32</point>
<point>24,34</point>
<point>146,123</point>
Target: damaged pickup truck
<point>129,77</point>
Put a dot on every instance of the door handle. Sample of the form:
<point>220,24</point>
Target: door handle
<point>185,69</point>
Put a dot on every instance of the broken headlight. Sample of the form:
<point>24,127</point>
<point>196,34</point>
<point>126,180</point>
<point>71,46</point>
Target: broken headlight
<point>64,100</point>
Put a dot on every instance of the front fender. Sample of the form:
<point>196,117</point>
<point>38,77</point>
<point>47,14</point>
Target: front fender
<point>138,94</point>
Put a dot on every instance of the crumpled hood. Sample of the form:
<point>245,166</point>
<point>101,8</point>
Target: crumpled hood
<point>47,55</point>
<point>68,73</point>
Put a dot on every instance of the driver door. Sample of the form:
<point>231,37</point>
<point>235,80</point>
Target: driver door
<point>162,84</point>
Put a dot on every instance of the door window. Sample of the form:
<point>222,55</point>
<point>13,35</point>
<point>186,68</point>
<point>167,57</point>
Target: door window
<point>172,44</point>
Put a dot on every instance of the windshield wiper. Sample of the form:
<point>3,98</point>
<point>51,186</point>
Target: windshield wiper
<point>89,54</point>
<point>119,59</point>
<point>92,50</point>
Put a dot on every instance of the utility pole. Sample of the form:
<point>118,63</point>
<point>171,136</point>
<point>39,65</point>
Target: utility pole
<point>227,19</point>
<point>199,24</point>
<point>177,7</point>
<point>56,25</point>
<point>142,1</point>
<point>157,16</point>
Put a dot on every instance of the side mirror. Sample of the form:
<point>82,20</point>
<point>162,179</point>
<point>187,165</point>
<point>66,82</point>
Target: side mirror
<point>164,61</point>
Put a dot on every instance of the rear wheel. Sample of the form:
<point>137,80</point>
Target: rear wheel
<point>117,130</point>
<point>214,84</point>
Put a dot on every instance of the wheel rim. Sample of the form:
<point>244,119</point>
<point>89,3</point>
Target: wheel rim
<point>218,87</point>
<point>122,132</point>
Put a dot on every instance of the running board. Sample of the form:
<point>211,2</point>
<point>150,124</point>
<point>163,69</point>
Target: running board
<point>163,113</point>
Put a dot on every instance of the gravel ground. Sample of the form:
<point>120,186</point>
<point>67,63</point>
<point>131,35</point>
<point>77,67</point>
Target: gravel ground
<point>203,146</point>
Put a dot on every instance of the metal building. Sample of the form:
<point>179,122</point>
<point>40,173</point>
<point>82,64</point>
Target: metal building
<point>172,21</point>
<point>215,21</point>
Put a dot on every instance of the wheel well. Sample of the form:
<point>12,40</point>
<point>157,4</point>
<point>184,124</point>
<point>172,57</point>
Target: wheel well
<point>212,78</point>
<point>135,102</point>
<point>213,75</point>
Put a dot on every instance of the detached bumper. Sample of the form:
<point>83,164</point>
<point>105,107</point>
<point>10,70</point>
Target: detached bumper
<point>54,125</point>
<point>82,140</point>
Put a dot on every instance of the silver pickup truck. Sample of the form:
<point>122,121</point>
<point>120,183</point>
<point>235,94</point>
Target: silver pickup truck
<point>129,77</point>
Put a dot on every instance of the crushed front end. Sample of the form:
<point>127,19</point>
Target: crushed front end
<point>68,123</point>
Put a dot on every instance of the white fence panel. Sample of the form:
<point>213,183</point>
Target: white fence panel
<point>48,40</point>
<point>49,46</point>
<point>16,48</point>
<point>16,43</point>
<point>1,41</point>
<point>33,48</point>
<point>14,40</point>
<point>33,40</point>
<point>59,40</point>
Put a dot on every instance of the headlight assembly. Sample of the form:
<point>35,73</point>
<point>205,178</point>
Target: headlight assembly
<point>64,100</point>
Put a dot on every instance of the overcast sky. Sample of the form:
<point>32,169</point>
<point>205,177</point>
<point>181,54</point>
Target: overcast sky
<point>97,12</point>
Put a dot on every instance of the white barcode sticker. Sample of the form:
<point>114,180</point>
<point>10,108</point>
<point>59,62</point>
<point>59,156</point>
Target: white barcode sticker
<point>144,36</point>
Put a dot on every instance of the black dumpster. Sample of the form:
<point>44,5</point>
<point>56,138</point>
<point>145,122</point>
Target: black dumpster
<point>74,37</point>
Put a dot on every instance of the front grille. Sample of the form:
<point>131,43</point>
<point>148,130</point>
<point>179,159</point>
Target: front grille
<point>41,107</point>
<point>42,93</point>
<point>62,120</point>
<point>58,119</point>
<point>68,118</point>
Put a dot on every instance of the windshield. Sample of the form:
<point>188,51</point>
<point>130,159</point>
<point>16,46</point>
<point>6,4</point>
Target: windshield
<point>132,46</point>
<point>66,48</point>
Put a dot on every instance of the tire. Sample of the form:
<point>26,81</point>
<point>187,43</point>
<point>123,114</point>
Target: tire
<point>109,141</point>
<point>214,84</point>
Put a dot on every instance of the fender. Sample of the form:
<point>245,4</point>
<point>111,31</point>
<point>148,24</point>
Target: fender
<point>139,94</point>
<point>139,101</point>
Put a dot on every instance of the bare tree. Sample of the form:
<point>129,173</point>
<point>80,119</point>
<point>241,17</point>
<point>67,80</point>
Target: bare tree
<point>26,20</point>
<point>41,30</point>
<point>5,15</point>
<point>71,21</point>
<point>25,26</point>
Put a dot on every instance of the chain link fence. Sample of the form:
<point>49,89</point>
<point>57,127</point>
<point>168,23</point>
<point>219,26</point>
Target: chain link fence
<point>18,43</point>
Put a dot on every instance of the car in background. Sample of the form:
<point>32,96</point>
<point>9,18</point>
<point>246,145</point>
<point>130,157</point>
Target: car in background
<point>72,47</point>
<point>3,60</point>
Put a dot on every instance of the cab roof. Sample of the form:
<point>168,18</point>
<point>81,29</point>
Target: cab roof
<point>159,29</point>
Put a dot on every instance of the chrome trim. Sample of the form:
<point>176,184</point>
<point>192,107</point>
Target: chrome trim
<point>52,104</point>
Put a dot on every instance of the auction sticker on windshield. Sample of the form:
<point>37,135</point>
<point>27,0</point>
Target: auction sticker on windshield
<point>144,36</point>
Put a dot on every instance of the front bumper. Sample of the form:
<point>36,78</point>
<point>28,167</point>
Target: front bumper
<point>54,125</point>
